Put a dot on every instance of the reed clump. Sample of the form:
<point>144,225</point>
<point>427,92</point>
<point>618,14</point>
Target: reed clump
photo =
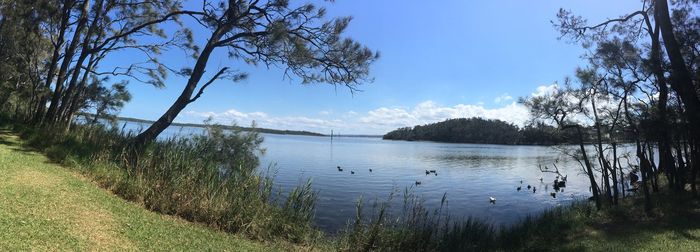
<point>403,223</point>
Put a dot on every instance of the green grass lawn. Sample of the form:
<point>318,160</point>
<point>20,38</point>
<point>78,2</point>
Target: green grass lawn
<point>674,225</point>
<point>44,206</point>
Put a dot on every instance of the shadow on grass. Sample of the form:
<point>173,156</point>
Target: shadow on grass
<point>675,220</point>
<point>5,134</point>
<point>14,145</point>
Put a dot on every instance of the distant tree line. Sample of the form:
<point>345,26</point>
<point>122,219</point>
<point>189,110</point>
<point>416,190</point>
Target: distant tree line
<point>483,131</point>
<point>226,127</point>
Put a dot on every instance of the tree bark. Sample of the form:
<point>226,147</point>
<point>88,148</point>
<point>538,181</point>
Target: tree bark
<point>616,194</point>
<point>644,168</point>
<point>152,132</point>
<point>589,169</point>
<point>67,58</point>
<point>73,89</point>
<point>681,79</point>
<point>601,156</point>
<point>51,73</point>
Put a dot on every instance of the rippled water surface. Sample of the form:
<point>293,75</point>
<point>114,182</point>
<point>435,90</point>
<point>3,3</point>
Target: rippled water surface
<point>468,173</point>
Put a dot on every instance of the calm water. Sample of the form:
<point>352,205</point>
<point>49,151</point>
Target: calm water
<point>468,173</point>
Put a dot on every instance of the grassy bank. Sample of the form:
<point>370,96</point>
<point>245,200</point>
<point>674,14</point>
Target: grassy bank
<point>210,179</point>
<point>60,207</point>
<point>44,206</point>
<point>673,226</point>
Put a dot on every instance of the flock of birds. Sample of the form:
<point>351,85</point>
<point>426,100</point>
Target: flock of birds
<point>351,171</point>
<point>557,184</point>
<point>418,182</point>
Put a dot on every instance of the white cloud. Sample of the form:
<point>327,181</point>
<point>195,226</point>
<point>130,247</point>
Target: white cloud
<point>503,98</point>
<point>376,121</point>
<point>264,120</point>
<point>545,90</point>
<point>379,120</point>
<point>429,112</point>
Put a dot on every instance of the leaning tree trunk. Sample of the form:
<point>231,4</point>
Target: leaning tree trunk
<point>74,86</point>
<point>681,78</point>
<point>589,169</point>
<point>666,163</point>
<point>185,97</point>
<point>53,64</point>
<point>653,171</point>
<point>601,156</point>
<point>622,176</point>
<point>695,167</point>
<point>644,168</point>
<point>67,59</point>
<point>616,194</point>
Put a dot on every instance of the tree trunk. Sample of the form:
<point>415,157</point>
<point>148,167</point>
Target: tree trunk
<point>73,89</point>
<point>694,172</point>
<point>67,59</point>
<point>75,102</point>
<point>589,169</point>
<point>644,167</point>
<point>183,100</point>
<point>622,178</point>
<point>681,78</point>
<point>653,171</point>
<point>681,164</point>
<point>601,156</point>
<point>666,163</point>
<point>614,174</point>
<point>51,73</point>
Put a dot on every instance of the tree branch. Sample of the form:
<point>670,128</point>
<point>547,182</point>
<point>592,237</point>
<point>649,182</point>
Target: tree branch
<point>201,90</point>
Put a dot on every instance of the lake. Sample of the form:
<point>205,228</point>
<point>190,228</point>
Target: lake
<point>468,173</point>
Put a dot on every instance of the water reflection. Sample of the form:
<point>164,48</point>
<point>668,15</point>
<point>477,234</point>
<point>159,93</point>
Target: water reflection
<point>469,174</point>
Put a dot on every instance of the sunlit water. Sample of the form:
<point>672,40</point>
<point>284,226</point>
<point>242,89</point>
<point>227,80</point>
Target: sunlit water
<point>468,173</point>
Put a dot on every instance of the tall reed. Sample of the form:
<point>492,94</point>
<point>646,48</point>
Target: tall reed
<point>211,178</point>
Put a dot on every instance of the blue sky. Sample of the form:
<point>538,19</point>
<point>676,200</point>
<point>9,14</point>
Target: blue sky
<point>439,60</point>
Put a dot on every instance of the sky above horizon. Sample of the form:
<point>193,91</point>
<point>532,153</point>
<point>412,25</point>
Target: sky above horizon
<point>438,61</point>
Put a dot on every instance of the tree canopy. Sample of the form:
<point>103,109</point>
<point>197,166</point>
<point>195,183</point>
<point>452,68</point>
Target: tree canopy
<point>478,130</point>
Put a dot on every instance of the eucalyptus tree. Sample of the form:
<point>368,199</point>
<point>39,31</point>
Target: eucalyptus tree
<point>56,25</point>
<point>561,108</point>
<point>273,33</point>
<point>593,90</point>
<point>106,102</point>
<point>21,63</point>
<point>98,28</point>
<point>669,34</point>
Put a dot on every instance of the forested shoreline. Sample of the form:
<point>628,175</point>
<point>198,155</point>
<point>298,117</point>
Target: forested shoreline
<point>482,131</point>
<point>226,127</point>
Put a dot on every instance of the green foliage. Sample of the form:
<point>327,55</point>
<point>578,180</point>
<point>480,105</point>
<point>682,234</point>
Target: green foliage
<point>477,130</point>
<point>413,227</point>
<point>578,227</point>
<point>210,179</point>
<point>47,207</point>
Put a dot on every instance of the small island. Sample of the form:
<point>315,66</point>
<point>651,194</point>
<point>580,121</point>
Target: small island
<point>480,131</point>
